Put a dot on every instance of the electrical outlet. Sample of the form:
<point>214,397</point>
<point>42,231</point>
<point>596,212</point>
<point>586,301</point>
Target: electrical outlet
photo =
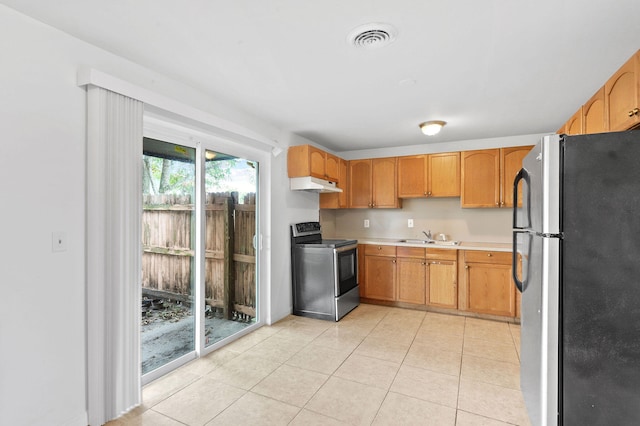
<point>410,223</point>
<point>366,223</point>
<point>59,241</point>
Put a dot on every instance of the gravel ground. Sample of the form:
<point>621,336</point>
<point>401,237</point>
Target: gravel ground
<point>167,333</point>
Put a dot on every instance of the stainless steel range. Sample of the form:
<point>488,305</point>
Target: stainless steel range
<point>324,273</point>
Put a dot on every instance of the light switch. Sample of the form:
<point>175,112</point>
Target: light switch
<point>366,223</point>
<point>59,241</point>
<point>410,223</point>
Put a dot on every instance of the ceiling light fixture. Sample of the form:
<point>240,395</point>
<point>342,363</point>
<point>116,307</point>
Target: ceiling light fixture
<point>432,127</point>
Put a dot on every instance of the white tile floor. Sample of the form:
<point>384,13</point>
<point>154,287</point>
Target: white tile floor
<point>378,365</point>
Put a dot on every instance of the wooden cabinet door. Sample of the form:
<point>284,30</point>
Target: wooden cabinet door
<point>343,183</point>
<point>360,183</point>
<point>490,289</point>
<point>412,176</point>
<point>361,269</point>
<point>442,283</point>
<point>443,175</point>
<point>380,278</point>
<point>411,280</point>
<point>317,162</point>
<point>511,159</point>
<point>384,183</point>
<point>338,200</point>
<point>332,168</point>
<point>622,96</point>
<point>574,125</point>
<point>307,160</point>
<point>594,114</point>
<point>480,186</point>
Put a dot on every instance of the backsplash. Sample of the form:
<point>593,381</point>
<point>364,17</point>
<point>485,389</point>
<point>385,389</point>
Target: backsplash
<point>440,215</point>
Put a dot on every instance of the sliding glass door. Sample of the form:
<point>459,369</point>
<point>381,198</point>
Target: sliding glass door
<point>168,263</point>
<point>199,264</point>
<point>230,236</point>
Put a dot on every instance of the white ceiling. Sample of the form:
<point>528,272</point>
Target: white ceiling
<point>489,68</point>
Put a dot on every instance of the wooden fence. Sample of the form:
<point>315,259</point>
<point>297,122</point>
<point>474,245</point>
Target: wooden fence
<point>230,263</point>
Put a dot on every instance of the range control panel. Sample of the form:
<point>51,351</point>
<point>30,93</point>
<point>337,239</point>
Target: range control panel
<point>305,228</point>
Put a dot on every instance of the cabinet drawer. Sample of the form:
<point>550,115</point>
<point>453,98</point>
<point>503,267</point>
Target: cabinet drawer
<point>376,250</point>
<point>417,252</point>
<point>442,254</point>
<point>496,257</point>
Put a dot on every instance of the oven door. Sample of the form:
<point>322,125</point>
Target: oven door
<point>345,268</point>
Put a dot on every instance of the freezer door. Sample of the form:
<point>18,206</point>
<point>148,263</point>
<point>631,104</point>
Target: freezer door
<point>539,331</point>
<point>542,202</point>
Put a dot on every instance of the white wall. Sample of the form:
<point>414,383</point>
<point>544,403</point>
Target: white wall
<point>288,207</point>
<point>440,215</point>
<point>42,182</point>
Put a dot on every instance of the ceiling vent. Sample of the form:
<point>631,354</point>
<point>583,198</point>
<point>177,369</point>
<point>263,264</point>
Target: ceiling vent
<point>372,36</point>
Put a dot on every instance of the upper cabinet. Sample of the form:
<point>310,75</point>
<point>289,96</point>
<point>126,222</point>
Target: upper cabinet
<point>307,160</point>
<point>511,161</point>
<point>574,125</point>
<point>444,175</point>
<point>429,175</point>
<point>488,174</point>
<point>614,107</point>
<point>412,176</point>
<point>594,114</point>
<point>372,183</point>
<point>480,186</point>
<point>482,178</point>
<point>622,97</point>
<point>338,200</point>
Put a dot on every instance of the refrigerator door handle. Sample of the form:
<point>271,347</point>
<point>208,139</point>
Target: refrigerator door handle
<point>521,285</point>
<point>522,175</point>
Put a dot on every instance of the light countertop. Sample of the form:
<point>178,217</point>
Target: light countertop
<point>462,246</point>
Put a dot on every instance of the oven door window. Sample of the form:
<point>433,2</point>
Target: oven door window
<point>347,270</point>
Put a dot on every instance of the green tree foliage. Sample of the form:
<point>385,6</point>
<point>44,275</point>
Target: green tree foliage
<point>164,176</point>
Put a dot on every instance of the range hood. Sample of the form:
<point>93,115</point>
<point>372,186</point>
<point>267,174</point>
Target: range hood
<point>312,184</point>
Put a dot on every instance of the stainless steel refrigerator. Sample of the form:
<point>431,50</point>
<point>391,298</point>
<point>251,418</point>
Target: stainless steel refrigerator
<point>578,234</point>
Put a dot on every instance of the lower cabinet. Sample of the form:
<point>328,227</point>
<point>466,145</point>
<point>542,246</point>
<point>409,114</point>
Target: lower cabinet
<point>442,278</point>
<point>465,280</point>
<point>488,284</point>
<point>412,275</point>
<point>361,268</point>
<point>380,272</point>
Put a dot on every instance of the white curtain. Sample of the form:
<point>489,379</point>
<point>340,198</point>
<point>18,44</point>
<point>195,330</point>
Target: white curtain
<point>114,210</point>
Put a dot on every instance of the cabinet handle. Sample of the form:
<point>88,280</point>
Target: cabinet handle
<point>373,205</point>
<point>489,254</point>
<point>393,261</point>
<point>429,193</point>
<point>466,266</point>
<point>423,263</point>
<point>633,112</point>
<point>379,248</point>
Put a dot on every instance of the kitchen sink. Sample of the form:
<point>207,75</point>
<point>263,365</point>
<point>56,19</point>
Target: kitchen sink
<point>434,242</point>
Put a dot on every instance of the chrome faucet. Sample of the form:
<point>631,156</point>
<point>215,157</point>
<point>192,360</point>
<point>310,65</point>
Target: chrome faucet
<point>428,235</point>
